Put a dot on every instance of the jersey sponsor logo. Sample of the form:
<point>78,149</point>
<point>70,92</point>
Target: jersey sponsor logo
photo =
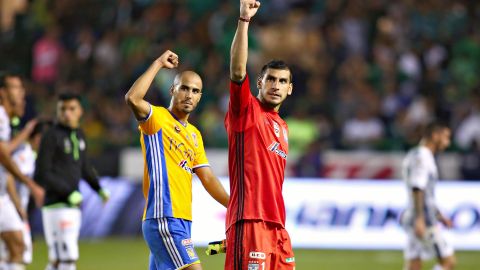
<point>187,242</point>
<point>82,145</point>
<point>276,129</point>
<point>183,164</point>
<point>275,148</point>
<point>257,255</point>
<point>67,146</point>
<point>184,151</point>
<point>66,224</point>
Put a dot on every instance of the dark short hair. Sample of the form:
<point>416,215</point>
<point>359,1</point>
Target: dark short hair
<point>434,127</point>
<point>4,75</point>
<point>69,96</point>
<point>275,64</point>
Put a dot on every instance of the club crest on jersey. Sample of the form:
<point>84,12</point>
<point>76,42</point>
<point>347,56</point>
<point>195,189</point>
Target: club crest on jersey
<point>191,253</point>
<point>253,266</point>
<point>187,242</point>
<point>82,145</point>
<point>276,129</point>
<point>194,136</point>
<point>275,148</point>
<point>67,146</point>
<point>177,129</point>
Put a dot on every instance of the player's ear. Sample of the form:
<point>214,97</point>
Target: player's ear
<point>259,83</point>
<point>290,89</point>
<point>80,111</point>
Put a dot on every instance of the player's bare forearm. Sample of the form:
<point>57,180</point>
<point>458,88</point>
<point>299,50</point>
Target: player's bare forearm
<point>443,219</point>
<point>135,96</point>
<point>213,186</point>
<point>12,192</point>
<point>8,164</point>
<point>239,49</point>
<point>239,52</point>
<point>418,203</point>
<point>419,220</point>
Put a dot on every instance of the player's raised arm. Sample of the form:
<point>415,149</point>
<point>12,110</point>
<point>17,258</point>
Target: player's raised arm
<point>134,96</point>
<point>239,49</point>
<point>212,185</point>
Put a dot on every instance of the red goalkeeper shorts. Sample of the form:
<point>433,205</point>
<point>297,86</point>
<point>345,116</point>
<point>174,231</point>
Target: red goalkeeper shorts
<point>258,245</point>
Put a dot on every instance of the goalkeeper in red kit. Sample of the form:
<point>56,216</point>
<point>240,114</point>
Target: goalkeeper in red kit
<point>258,149</point>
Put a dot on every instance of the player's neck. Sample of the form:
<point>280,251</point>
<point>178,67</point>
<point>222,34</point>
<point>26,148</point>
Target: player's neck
<point>267,105</point>
<point>429,145</point>
<point>179,115</point>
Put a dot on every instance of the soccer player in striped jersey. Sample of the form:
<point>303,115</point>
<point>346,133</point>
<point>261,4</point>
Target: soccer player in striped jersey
<point>421,219</point>
<point>258,149</point>
<point>173,150</point>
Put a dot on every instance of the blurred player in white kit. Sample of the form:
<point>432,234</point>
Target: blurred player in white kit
<point>422,218</point>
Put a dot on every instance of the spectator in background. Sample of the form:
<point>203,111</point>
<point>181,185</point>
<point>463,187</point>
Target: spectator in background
<point>310,163</point>
<point>470,162</point>
<point>468,132</point>
<point>303,130</point>
<point>46,57</point>
<point>363,131</point>
<point>8,10</point>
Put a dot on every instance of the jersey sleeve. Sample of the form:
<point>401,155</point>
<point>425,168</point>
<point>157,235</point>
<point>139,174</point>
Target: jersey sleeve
<point>240,97</point>
<point>200,155</point>
<point>418,173</point>
<point>152,123</point>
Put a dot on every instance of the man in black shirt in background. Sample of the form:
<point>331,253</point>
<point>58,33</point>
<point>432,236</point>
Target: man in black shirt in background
<point>61,163</point>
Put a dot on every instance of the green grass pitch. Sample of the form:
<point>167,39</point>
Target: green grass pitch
<point>132,254</point>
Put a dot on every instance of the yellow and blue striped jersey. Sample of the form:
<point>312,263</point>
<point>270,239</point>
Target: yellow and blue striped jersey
<point>172,150</point>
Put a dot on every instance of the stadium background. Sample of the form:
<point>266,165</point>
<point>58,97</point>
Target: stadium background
<point>368,75</point>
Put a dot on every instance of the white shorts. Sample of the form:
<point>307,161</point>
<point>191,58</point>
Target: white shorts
<point>62,227</point>
<point>27,239</point>
<point>9,218</point>
<point>432,245</point>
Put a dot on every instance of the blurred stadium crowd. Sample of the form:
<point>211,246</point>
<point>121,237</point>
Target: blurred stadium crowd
<point>368,74</point>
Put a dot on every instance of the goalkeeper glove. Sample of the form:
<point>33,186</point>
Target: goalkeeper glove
<point>104,194</point>
<point>75,198</point>
<point>216,247</point>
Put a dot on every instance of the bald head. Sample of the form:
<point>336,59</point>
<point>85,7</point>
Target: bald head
<point>186,92</point>
<point>188,76</point>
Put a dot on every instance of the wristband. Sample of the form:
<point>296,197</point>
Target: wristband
<point>243,19</point>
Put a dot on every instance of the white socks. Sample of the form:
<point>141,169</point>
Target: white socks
<point>437,267</point>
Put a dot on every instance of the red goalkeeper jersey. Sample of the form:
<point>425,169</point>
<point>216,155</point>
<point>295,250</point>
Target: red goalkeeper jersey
<point>257,152</point>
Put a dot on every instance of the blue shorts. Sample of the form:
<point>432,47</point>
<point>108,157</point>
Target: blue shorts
<point>170,243</point>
